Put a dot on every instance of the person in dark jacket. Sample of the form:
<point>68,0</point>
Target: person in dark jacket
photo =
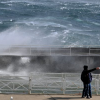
<point>86,78</point>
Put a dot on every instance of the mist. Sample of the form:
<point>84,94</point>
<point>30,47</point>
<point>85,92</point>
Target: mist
<point>46,64</point>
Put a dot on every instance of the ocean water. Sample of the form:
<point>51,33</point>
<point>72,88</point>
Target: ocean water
<point>50,22</point>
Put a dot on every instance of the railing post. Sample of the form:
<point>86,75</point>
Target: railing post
<point>89,50</point>
<point>98,82</point>
<point>9,51</point>
<point>30,84</point>
<point>50,51</point>
<point>30,50</point>
<point>96,85</point>
<point>81,85</point>
<point>64,83</point>
<point>70,51</point>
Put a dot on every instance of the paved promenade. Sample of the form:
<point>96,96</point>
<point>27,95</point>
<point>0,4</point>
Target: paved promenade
<point>44,97</point>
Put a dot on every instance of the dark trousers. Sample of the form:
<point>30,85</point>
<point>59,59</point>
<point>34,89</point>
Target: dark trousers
<point>87,90</point>
<point>90,93</point>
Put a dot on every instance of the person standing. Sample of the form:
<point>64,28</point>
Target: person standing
<point>90,80</point>
<point>86,78</point>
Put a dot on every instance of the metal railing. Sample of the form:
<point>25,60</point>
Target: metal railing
<point>47,83</point>
<point>50,50</point>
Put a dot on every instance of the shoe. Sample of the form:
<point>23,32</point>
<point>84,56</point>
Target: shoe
<point>88,97</point>
<point>83,97</point>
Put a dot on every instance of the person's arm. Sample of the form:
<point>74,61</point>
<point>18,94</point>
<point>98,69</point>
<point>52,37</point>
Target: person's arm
<point>97,68</point>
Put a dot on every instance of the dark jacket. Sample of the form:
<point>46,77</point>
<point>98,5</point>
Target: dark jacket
<point>86,76</point>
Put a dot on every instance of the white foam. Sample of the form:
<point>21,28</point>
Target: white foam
<point>63,41</point>
<point>98,24</point>
<point>25,59</point>
<point>62,8</point>
<point>0,22</point>
<point>41,22</point>
<point>87,4</point>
